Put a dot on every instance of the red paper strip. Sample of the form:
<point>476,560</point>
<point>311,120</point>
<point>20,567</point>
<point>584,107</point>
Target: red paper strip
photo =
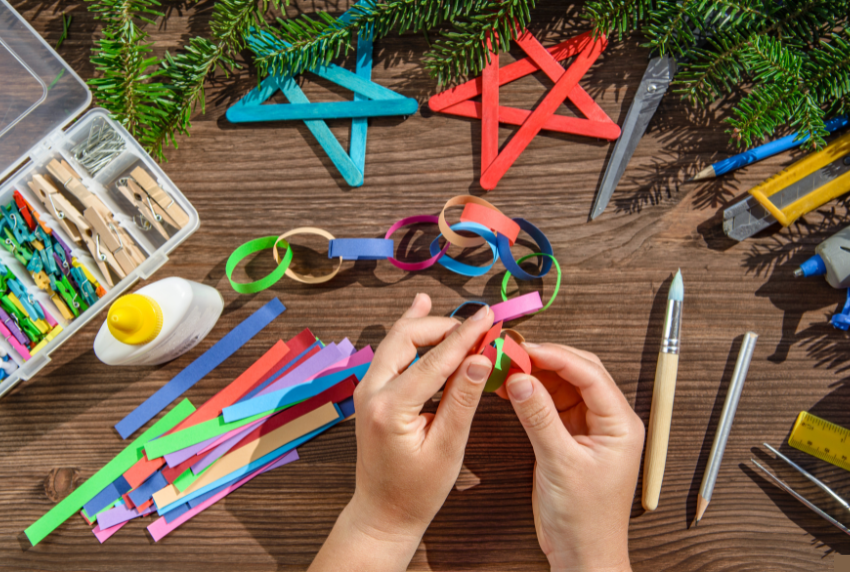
<point>519,357</point>
<point>489,338</point>
<point>492,219</point>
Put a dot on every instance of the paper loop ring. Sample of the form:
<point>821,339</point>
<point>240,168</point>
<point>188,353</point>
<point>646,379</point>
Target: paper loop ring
<point>453,237</point>
<point>300,277</point>
<point>246,250</point>
<point>507,277</point>
<point>416,266</point>
<point>466,269</point>
<point>544,247</point>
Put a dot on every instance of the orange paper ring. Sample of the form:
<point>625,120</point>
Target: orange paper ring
<point>452,236</point>
<point>492,219</point>
<point>299,277</point>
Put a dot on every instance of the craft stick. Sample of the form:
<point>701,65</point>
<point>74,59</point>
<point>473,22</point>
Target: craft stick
<point>242,457</point>
<point>82,494</point>
<point>324,110</point>
<point>508,73</point>
<point>490,109</point>
<point>320,130</point>
<point>160,527</point>
<point>290,395</point>
<point>333,394</point>
<point>212,408</point>
<point>545,109</point>
<point>558,123</point>
<point>360,125</point>
<point>199,368</point>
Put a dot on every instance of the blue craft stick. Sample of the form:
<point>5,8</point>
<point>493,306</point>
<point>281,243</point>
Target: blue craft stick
<point>320,130</point>
<point>252,466</point>
<point>256,96</point>
<point>361,248</point>
<point>290,395</point>
<point>110,493</point>
<point>771,148</point>
<point>145,491</point>
<point>329,110</point>
<point>359,125</point>
<point>199,368</point>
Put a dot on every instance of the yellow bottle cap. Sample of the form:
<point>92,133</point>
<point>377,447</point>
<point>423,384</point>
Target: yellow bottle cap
<point>134,319</point>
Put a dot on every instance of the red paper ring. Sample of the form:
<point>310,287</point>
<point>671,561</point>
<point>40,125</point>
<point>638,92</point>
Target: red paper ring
<point>452,236</point>
<point>416,266</point>
<point>492,219</point>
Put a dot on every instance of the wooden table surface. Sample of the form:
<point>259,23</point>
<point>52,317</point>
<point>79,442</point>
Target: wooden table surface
<point>256,180</point>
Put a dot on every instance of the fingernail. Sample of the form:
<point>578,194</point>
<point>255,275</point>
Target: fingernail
<point>480,314</point>
<point>530,345</point>
<point>478,371</point>
<point>520,388</point>
<point>416,299</point>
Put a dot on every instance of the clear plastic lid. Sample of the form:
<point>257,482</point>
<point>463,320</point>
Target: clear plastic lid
<point>39,93</point>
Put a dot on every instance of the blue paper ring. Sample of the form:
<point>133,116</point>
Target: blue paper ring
<point>543,245</point>
<point>467,269</point>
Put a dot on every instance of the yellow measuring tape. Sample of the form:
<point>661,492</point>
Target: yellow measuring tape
<point>820,438</point>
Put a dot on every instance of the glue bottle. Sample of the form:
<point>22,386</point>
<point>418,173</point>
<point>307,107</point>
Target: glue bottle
<point>158,323</point>
<point>832,259</point>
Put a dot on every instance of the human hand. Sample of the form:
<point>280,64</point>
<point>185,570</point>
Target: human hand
<point>588,443</point>
<point>408,461</point>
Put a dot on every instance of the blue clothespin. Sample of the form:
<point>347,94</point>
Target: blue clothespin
<point>35,265</point>
<point>16,222</point>
<point>48,261</point>
<point>31,307</point>
<point>370,100</point>
<point>841,320</point>
<point>85,287</point>
<point>61,258</point>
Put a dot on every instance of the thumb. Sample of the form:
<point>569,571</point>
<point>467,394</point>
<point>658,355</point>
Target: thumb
<point>460,399</point>
<point>537,413</point>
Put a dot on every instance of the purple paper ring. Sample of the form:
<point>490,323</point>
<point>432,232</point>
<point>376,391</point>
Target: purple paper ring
<point>422,265</point>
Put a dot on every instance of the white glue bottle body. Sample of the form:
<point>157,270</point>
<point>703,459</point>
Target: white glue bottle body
<point>158,323</point>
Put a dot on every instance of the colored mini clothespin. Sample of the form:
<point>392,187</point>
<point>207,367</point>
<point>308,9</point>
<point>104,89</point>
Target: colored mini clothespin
<point>26,211</point>
<point>85,288</point>
<point>458,101</point>
<point>32,309</point>
<point>370,100</point>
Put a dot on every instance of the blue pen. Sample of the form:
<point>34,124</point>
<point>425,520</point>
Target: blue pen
<point>763,151</point>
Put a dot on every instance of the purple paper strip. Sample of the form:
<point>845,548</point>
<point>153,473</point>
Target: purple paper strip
<point>120,514</point>
<point>326,357</point>
<point>177,457</point>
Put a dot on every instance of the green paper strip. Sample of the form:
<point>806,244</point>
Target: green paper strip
<point>500,370</point>
<point>198,433</point>
<point>557,282</point>
<point>111,471</point>
<point>252,247</point>
<point>188,477</point>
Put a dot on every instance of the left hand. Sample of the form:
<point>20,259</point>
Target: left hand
<point>408,461</point>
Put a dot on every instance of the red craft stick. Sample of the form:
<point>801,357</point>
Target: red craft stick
<point>547,107</point>
<point>490,110</point>
<point>507,74</point>
<point>558,123</point>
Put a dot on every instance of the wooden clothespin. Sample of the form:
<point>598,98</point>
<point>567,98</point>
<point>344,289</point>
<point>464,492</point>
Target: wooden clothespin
<point>150,211</point>
<point>107,236</point>
<point>69,218</point>
<point>172,213</point>
<point>68,178</point>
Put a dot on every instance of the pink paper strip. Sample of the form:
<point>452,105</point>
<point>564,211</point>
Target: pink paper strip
<point>119,514</point>
<point>103,534</point>
<point>160,528</point>
<point>427,263</point>
<point>516,307</point>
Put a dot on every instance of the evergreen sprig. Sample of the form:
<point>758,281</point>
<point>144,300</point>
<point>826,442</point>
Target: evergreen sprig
<point>795,53</point>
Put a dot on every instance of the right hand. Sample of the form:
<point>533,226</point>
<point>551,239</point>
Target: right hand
<point>588,443</point>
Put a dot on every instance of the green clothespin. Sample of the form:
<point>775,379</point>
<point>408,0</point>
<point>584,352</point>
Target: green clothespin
<point>21,318</point>
<point>22,253</point>
<point>62,290</point>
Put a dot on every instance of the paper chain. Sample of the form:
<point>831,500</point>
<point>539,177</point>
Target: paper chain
<point>370,100</point>
<point>495,163</point>
<point>479,217</point>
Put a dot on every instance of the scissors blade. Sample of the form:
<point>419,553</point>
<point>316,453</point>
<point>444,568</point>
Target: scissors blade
<point>656,79</point>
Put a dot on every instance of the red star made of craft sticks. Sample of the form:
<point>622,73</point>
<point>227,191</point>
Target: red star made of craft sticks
<point>458,101</point>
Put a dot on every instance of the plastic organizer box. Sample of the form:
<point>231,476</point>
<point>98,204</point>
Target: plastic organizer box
<point>84,210</point>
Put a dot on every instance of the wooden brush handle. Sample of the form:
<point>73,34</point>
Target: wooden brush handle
<point>658,434</point>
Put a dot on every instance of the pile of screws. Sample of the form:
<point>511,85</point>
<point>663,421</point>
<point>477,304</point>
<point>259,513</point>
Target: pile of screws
<point>102,146</point>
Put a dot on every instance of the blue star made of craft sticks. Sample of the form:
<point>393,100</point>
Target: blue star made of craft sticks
<point>370,100</point>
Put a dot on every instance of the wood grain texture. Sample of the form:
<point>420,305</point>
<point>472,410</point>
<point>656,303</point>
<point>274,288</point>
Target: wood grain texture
<point>249,181</point>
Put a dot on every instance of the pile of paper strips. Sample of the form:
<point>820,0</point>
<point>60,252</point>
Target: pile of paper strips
<point>192,458</point>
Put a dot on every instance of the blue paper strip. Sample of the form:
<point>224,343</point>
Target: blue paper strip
<point>508,259</point>
<point>361,248</point>
<point>176,512</point>
<point>253,465</point>
<point>459,267</point>
<point>199,368</point>
<point>112,491</point>
<point>278,374</point>
<point>347,406</point>
<point>290,395</point>
<point>145,491</point>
